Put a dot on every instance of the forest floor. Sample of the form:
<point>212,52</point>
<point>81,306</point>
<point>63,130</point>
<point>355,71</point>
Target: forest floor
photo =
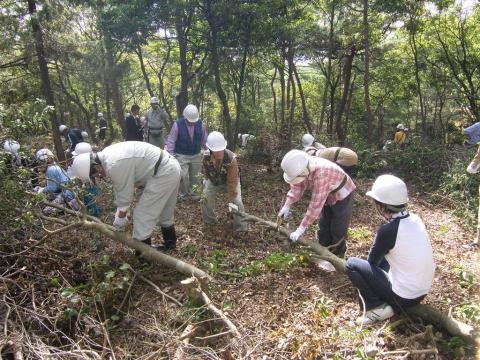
<point>284,306</point>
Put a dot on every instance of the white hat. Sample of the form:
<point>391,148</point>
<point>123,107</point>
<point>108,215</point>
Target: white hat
<point>390,190</point>
<point>307,140</point>
<point>11,146</point>
<point>216,141</point>
<point>82,148</point>
<point>84,134</point>
<point>62,128</point>
<point>43,154</point>
<point>294,163</point>
<point>191,113</point>
<point>100,114</point>
<point>400,126</point>
<point>154,100</point>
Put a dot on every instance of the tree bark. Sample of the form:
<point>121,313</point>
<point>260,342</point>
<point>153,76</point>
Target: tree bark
<point>413,46</point>
<point>138,51</point>
<point>213,42</point>
<point>306,116</point>
<point>347,72</point>
<point>366,76</point>
<point>274,96</point>
<point>182,96</point>
<point>112,79</point>
<point>45,77</point>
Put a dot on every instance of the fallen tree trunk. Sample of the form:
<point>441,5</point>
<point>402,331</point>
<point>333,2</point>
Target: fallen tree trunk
<point>425,312</point>
<point>147,252</point>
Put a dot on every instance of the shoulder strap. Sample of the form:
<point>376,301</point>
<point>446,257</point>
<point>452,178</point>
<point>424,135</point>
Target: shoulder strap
<point>337,153</point>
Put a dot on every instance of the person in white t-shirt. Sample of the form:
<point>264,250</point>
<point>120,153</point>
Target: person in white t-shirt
<point>400,269</point>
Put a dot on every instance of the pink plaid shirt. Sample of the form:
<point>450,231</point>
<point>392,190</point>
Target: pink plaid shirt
<point>325,176</point>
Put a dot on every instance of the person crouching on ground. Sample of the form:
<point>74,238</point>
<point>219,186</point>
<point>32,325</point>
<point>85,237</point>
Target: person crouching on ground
<point>134,164</point>
<point>332,197</point>
<point>220,168</point>
<point>399,270</point>
<point>56,180</point>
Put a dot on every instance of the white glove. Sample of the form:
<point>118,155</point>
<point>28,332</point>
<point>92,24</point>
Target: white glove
<point>38,189</point>
<point>297,234</point>
<point>284,212</point>
<point>472,168</point>
<point>120,222</point>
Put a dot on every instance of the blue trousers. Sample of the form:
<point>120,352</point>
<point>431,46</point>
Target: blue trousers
<point>373,283</point>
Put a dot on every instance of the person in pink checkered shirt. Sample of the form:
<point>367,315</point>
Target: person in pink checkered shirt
<point>331,201</point>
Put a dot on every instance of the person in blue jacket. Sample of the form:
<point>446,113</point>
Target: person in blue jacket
<point>72,136</point>
<point>399,270</point>
<point>56,180</point>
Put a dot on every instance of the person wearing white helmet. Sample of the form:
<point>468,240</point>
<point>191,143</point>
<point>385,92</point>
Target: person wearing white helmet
<point>73,136</point>
<point>57,179</point>
<point>344,157</point>
<point>221,172</point>
<point>310,146</point>
<point>400,136</point>
<point>155,122</point>
<point>246,138</point>
<point>331,197</point>
<point>102,126</point>
<point>187,138</point>
<point>400,268</point>
<point>12,147</point>
<point>130,165</point>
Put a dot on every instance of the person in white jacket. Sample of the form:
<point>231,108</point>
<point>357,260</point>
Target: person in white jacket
<point>134,164</point>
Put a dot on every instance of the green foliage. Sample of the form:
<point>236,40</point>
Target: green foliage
<point>215,261</point>
<point>466,279</point>
<point>360,234</point>
<point>324,306</point>
<point>470,312</point>
<point>276,262</point>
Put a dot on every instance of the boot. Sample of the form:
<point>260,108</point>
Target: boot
<point>148,242</point>
<point>169,238</point>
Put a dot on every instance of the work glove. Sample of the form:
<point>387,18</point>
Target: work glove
<point>120,222</point>
<point>38,189</point>
<point>294,236</point>
<point>284,212</point>
<point>473,167</point>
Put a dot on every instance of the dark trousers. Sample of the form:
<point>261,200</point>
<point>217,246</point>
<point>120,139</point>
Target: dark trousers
<point>373,283</point>
<point>333,225</point>
<point>102,133</point>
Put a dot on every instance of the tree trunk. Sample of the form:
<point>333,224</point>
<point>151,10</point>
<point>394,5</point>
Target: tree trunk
<point>213,42</point>
<point>306,116</point>
<point>413,45</point>
<point>347,72</point>
<point>112,79</point>
<point>366,77</point>
<point>274,95</point>
<point>138,51</point>
<point>182,96</point>
<point>239,91</point>
<point>45,77</point>
<point>329,68</point>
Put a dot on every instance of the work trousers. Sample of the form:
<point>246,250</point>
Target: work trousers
<point>157,201</point>
<point>190,165</point>
<point>374,285</point>
<point>157,140</point>
<point>333,225</point>
<point>208,204</point>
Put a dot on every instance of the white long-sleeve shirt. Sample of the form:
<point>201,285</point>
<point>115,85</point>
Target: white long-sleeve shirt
<point>129,165</point>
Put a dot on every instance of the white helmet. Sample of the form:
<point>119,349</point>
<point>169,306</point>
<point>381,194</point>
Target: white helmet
<point>307,140</point>
<point>400,127</point>
<point>43,154</point>
<point>100,115</point>
<point>294,163</point>
<point>84,134</point>
<point>11,146</point>
<point>62,128</point>
<point>191,113</point>
<point>82,148</point>
<point>216,141</point>
<point>389,190</point>
<point>154,100</point>
<point>81,167</point>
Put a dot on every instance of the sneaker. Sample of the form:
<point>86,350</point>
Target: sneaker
<point>383,312</point>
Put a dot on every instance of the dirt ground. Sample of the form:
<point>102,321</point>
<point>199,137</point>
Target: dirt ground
<point>301,312</point>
